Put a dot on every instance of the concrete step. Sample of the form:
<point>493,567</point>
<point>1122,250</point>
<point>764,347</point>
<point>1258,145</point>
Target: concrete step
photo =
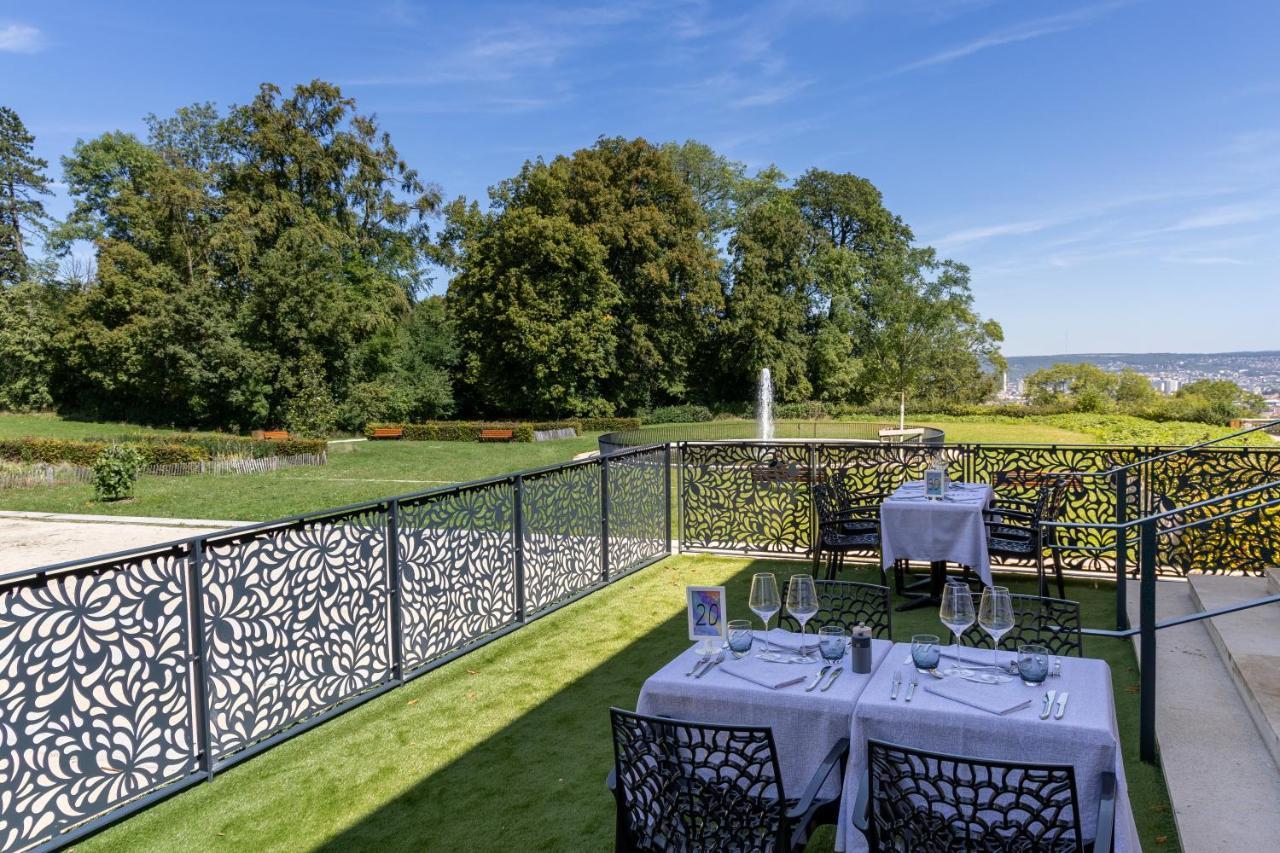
<point>1249,644</point>
<point>1223,783</point>
<point>1273,580</point>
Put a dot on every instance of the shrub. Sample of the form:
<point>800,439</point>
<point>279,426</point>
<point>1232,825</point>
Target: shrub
<point>115,471</point>
<point>811,410</point>
<point>521,430</point>
<point>604,424</point>
<point>689,413</point>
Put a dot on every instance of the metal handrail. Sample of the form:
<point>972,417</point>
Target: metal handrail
<point>1137,522</point>
<point>1188,449</point>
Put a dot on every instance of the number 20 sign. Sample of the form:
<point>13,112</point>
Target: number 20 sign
<point>706,612</point>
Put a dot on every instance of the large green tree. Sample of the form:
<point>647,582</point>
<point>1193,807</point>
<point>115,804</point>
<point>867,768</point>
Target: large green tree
<point>22,184</point>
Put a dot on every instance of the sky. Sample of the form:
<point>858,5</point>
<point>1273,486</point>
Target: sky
<point>1109,170</point>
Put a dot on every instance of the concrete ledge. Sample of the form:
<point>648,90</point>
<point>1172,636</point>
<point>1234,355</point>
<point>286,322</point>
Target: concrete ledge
<point>1222,781</point>
<point>1249,643</point>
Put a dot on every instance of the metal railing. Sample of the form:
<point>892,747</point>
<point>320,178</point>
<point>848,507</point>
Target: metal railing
<point>787,430</point>
<point>131,676</point>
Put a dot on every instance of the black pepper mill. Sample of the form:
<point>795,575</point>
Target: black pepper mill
<point>860,657</point>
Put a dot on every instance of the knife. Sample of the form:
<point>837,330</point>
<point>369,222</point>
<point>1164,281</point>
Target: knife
<point>821,674</point>
<point>1062,706</point>
<point>1048,704</point>
<point>897,682</point>
<point>836,675</point>
<point>911,688</point>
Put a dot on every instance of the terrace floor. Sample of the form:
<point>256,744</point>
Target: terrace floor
<point>508,747</point>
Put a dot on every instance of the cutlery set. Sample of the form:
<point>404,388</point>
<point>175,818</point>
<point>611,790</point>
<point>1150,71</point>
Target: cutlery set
<point>822,673</point>
<point>911,686</point>
<point>704,665</point>
<point>1050,709</point>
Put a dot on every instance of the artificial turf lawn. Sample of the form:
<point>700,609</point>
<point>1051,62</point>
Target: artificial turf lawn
<point>507,748</point>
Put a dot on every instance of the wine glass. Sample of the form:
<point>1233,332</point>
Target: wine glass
<point>802,602</point>
<point>995,615</point>
<point>765,601</point>
<point>956,613</point>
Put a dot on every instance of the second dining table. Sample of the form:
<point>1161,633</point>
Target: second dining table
<point>952,529</point>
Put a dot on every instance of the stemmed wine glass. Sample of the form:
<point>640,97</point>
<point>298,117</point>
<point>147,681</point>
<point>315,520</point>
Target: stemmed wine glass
<point>765,601</point>
<point>995,615</point>
<point>956,613</point>
<point>802,602</point>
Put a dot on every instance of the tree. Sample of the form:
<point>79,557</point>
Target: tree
<point>721,186</point>
<point>1217,401</point>
<point>27,322</point>
<point>850,213</point>
<point>620,197</point>
<point>1084,387</point>
<point>22,183</point>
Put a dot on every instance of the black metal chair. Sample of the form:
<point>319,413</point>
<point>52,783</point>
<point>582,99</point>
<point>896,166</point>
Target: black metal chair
<point>1017,533</point>
<point>1050,622</point>
<point>847,523</point>
<point>927,802</point>
<point>689,786</point>
<point>848,603</point>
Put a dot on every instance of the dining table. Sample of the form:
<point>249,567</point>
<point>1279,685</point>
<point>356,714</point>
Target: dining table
<point>942,717</point>
<point>806,723</point>
<point>951,529</point>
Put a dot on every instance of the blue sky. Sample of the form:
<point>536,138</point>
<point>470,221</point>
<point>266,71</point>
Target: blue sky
<point>1110,170</point>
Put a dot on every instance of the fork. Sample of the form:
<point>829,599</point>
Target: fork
<point>699,662</point>
<point>911,688</point>
<point>897,682</point>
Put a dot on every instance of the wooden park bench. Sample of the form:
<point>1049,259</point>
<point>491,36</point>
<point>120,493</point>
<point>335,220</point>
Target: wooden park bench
<point>497,435</point>
<point>275,435</point>
<point>387,432</point>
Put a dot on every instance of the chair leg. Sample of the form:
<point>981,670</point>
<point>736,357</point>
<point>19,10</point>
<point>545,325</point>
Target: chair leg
<point>1057,570</point>
<point>1044,584</point>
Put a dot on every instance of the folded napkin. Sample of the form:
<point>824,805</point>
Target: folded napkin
<point>985,697</point>
<point>763,673</point>
<point>782,639</point>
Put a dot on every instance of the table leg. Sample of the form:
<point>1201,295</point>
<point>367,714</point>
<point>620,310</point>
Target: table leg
<point>937,580</point>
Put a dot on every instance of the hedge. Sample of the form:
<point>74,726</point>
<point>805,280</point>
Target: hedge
<point>520,430</point>
<point>155,450</point>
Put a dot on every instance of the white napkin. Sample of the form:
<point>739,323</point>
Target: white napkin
<point>772,676</point>
<point>980,696</point>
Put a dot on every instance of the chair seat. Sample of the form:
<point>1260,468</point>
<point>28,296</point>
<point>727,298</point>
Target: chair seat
<point>833,541</point>
<point>1010,546</point>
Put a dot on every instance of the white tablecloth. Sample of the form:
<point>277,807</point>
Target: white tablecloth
<point>805,725</point>
<point>915,528</point>
<point>1086,737</point>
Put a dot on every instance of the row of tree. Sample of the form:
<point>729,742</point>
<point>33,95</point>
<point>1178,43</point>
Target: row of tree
<point>1089,388</point>
<point>271,263</point>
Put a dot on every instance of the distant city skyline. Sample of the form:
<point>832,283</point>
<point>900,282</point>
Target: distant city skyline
<point>1109,170</point>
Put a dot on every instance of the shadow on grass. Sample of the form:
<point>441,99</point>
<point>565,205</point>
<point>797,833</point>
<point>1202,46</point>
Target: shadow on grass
<point>538,783</point>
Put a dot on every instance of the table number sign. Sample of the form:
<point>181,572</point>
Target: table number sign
<point>707,619</point>
<point>935,484</point>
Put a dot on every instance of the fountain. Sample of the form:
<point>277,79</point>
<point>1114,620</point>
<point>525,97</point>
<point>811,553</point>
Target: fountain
<point>764,406</point>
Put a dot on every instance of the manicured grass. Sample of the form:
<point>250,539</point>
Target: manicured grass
<point>508,747</point>
<point>356,472</point>
<point>56,426</point>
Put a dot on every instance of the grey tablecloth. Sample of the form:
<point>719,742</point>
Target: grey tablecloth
<point>1086,737</point>
<point>914,528</point>
<point>805,725</point>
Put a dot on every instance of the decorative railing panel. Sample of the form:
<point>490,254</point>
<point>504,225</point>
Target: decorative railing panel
<point>95,707</point>
<point>457,569</point>
<point>296,621</point>
<point>746,496</point>
<point>562,534</point>
<point>637,519</point>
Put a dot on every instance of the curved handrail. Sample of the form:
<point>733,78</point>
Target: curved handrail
<point>1179,451</point>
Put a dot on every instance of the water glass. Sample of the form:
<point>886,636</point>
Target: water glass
<point>832,642</point>
<point>740,637</point>
<point>925,652</point>
<point>1033,664</point>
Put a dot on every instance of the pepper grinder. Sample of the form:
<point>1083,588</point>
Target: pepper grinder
<point>860,656</point>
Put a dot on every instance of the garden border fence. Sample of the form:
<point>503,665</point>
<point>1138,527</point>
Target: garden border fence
<point>128,677</point>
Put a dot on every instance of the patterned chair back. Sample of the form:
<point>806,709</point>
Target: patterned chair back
<point>848,603</point>
<point>926,802</point>
<point>694,786</point>
<point>1050,622</point>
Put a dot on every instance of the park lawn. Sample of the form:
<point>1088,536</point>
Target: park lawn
<point>508,747</point>
<point>46,425</point>
<point>358,471</point>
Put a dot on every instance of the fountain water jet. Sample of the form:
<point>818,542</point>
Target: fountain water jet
<point>764,406</point>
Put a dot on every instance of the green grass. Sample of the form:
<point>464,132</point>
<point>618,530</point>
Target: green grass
<point>56,426</point>
<point>362,471</point>
<point>507,748</point>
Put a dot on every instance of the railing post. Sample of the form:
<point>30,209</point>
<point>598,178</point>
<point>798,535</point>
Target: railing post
<point>666,490</point>
<point>1122,551</point>
<point>811,549</point>
<point>604,519</point>
<point>517,533</point>
<point>680,488</point>
<point>1147,643</point>
<point>394,589</point>
<point>195,588</point>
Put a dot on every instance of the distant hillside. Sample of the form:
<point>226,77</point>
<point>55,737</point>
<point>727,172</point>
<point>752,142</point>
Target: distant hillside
<point>1260,364</point>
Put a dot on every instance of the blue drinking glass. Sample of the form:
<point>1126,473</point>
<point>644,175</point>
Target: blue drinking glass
<point>740,636</point>
<point>1033,664</point>
<point>925,652</point>
<point>832,642</point>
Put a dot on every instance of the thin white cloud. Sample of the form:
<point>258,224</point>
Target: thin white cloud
<point>1025,31</point>
<point>986,232</point>
<point>21,38</point>
<point>1229,214</point>
<point>771,95</point>
<point>1204,260</point>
